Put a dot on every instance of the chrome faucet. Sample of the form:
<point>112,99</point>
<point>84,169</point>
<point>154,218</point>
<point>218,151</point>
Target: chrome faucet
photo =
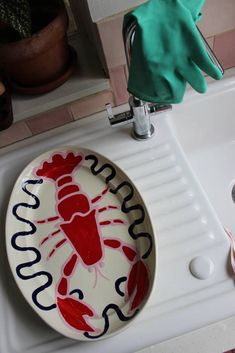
<point>140,111</point>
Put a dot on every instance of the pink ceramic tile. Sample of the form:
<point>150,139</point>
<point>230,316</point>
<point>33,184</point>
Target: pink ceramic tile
<point>91,104</point>
<point>224,48</point>
<point>49,120</point>
<point>218,17</point>
<point>16,132</point>
<point>110,32</point>
<point>210,41</point>
<point>119,84</point>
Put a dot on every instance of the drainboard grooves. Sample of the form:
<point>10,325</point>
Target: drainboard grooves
<point>176,202</point>
<point>148,153</point>
<point>195,242</point>
<point>187,246</point>
<point>153,166</point>
<point>144,156</point>
<point>187,230</point>
<point>166,191</point>
<point>150,180</point>
<point>171,209</point>
<point>143,171</point>
<point>178,223</point>
<point>177,218</point>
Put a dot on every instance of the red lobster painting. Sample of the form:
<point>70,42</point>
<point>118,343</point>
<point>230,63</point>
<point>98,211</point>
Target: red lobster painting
<point>78,221</point>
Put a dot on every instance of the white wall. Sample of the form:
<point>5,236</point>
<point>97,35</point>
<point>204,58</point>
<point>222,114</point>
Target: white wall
<point>100,9</point>
<point>219,15</point>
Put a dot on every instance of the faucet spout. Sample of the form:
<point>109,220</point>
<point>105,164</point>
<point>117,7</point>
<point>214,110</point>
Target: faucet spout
<point>128,37</point>
<point>140,111</point>
<point>142,127</point>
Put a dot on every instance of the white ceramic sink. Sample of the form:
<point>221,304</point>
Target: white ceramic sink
<point>187,227</point>
<point>205,127</point>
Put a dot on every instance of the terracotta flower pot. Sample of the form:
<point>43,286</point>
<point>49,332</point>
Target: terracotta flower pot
<point>43,61</point>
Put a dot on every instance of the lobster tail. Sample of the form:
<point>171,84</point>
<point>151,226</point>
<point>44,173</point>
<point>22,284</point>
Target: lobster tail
<point>138,284</point>
<point>59,165</point>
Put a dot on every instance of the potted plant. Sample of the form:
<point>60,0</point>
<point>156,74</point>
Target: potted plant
<point>34,51</point>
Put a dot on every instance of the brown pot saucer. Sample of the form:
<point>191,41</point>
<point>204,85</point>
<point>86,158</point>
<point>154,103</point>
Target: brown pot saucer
<point>49,86</point>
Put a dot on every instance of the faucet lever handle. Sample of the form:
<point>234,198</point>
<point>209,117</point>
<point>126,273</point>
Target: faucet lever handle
<point>118,119</point>
<point>154,108</point>
<point>109,111</point>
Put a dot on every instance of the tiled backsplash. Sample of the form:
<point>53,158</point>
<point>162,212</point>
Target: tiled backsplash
<point>218,17</point>
<point>55,118</point>
<point>217,25</point>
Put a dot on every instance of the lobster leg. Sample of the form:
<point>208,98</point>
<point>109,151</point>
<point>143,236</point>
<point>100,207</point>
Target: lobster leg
<point>106,208</point>
<point>47,220</point>
<point>72,310</point>
<point>138,279</point>
<point>50,236</point>
<point>115,221</point>
<point>56,247</point>
<point>100,196</point>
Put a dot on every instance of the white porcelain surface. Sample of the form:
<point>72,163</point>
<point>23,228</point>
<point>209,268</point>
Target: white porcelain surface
<point>185,222</point>
<point>205,126</point>
<point>100,9</point>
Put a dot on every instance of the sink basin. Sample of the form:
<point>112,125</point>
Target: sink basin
<point>205,127</point>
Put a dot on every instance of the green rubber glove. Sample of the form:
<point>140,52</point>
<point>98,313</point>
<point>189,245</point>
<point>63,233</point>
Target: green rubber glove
<point>194,6</point>
<point>167,52</point>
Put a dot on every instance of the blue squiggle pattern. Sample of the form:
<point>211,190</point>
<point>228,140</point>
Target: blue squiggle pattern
<point>125,208</point>
<point>105,315</point>
<point>118,282</point>
<point>79,292</point>
<point>35,251</point>
<point>110,173</point>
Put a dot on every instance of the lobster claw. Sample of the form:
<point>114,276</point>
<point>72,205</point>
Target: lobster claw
<point>73,312</point>
<point>138,284</point>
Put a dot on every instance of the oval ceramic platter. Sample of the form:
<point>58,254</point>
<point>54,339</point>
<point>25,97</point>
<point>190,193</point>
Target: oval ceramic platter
<point>80,243</point>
